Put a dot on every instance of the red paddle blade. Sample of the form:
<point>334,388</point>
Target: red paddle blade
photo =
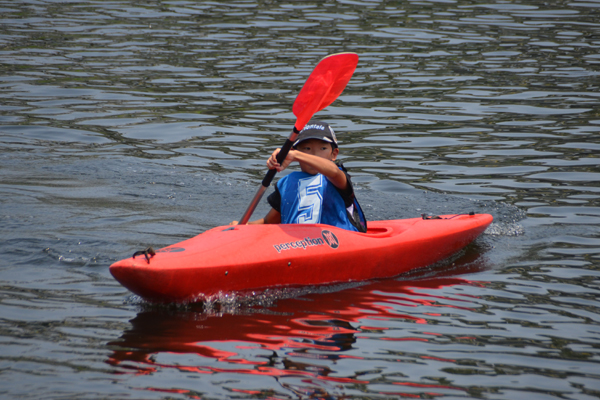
<point>323,86</point>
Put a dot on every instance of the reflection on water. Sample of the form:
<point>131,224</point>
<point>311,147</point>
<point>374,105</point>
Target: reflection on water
<point>126,124</point>
<point>428,337</point>
<point>306,342</point>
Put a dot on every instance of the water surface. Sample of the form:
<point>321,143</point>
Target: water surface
<point>129,124</point>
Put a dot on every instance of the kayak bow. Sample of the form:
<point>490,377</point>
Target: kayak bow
<point>245,258</point>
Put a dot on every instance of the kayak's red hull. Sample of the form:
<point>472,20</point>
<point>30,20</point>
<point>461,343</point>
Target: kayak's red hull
<point>250,257</point>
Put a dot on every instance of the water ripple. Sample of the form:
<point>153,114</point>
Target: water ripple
<point>124,125</point>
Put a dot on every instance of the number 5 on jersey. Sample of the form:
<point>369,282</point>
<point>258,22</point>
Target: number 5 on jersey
<point>310,201</point>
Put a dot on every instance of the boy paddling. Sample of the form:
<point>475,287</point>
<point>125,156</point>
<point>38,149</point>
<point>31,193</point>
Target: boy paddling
<point>322,192</point>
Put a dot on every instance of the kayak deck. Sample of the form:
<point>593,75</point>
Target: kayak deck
<point>245,258</point>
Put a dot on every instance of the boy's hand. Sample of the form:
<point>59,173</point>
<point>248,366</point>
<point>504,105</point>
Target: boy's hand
<point>273,164</point>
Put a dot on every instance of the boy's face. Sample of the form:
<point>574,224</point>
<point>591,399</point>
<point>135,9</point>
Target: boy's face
<point>318,148</point>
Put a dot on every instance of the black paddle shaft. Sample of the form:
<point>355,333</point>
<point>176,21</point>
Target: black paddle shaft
<point>287,146</point>
<point>285,149</point>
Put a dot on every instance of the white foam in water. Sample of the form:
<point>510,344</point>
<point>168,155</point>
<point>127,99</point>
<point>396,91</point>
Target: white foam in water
<point>504,229</point>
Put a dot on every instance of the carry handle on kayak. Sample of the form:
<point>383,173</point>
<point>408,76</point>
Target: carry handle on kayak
<point>326,82</point>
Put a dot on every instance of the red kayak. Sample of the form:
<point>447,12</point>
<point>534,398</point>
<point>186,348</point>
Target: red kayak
<point>246,258</point>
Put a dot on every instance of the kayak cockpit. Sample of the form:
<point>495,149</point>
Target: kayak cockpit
<point>379,231</point>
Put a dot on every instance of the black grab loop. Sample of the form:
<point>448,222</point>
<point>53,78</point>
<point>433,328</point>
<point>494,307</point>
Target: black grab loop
<point>148,253</point>
<point>425,216</point>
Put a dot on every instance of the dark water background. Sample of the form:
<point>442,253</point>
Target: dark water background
<point>125,124</point>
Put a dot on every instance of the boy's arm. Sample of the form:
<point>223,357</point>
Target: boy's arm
<point>321,165</point>
<point>272,217</point>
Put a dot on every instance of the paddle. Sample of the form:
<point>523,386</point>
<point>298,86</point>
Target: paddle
<point>323,86</point>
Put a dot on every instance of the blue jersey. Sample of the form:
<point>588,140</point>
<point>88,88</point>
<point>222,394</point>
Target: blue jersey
<point>302,198</point>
